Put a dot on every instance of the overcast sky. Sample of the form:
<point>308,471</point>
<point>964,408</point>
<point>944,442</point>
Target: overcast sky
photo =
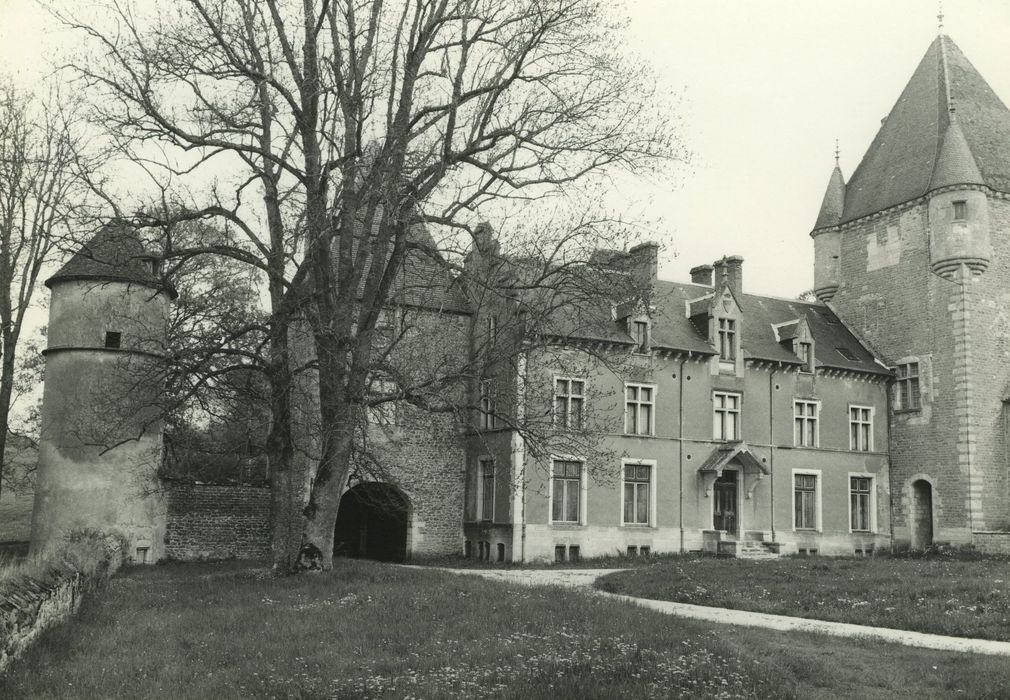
<point>767,87</point>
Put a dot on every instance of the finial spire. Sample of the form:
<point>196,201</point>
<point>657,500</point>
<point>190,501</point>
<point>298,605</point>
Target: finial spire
<point>939,17</point>
<point>836,153</point>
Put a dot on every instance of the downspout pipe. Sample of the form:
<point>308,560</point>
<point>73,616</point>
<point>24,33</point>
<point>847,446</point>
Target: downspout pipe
<point>680,450</point>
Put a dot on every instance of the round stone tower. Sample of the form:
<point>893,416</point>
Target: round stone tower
<point>828,238</point>
<point>958,209</point>
<point>101,438</point>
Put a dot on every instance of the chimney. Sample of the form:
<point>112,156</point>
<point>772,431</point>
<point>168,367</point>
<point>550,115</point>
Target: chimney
<point>643,259</point>
<point>702,274</point>
<point>732,267</point>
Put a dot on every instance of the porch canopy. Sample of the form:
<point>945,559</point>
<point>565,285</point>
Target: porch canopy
<point>720,458</point>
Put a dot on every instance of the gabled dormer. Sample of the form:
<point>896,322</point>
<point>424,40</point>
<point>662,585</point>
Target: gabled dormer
<point>725,332</point>
<point>795,336</point>
<point>636,320</point>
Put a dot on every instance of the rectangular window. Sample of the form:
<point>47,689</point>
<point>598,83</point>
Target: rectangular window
<point>487,417</point>
<point>381,413</point>
<point>641,333</point>
<point>487,489</point>
<point>638,413</point>
<point>113,339</point>
<point>637,486</point>
<point>806,354</point>
<point>861,428</point>
<point>492,330</point>
<point>727,339</point>
<point>860,489</point>
<point>805,503</point>
<point>566,491</point>
<point>960,210</point>
<point>805,423</point>
<point>726,424</point>
<point>907,392</point>
<point>569,403</point>
<point>385,322</point>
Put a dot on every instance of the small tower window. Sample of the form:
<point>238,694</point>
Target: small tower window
<point>154,265</point>
<point>960,210</point>
<point>113,339</point>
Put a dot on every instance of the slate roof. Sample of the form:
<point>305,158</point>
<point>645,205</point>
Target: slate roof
<point>900,163</point>
<point>673,330</point>
<point>115,254</point>
<point>833,202</point>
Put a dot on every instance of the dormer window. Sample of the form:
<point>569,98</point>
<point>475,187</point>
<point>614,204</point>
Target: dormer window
<point>806,353</point>
<point>640,332</point>
<point>727,339</point>
<point>960,210</point>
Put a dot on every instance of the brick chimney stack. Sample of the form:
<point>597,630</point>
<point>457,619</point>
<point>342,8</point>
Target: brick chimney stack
<point>702,274</point>
<point>643,259</point>
<point>733,267</point>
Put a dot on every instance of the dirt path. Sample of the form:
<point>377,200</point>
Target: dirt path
<point>584,578</point>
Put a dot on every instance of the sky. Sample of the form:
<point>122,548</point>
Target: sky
<point>762,87</point>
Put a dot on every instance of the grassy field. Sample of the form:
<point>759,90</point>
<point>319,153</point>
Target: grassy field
<point>372,630</point>
<point>966,596</point>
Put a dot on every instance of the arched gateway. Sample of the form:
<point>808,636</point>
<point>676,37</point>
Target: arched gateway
<point>922,514</point>
<point>372,523</point>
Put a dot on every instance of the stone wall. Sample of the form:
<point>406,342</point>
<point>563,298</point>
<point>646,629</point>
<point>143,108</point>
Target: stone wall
<point>214,521</point>
<point>30,605</point>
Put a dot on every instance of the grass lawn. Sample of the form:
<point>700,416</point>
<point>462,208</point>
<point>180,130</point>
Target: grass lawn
<point>373,630</point>
<point>967,596</point>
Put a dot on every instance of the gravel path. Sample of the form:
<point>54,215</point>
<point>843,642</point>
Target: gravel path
<point>583,578</point>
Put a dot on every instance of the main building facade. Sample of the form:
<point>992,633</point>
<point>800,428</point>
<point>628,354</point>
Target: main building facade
<point>707,417</point>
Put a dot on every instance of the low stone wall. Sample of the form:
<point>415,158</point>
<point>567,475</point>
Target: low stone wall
<point>28,605</point>
<point>216,521</point>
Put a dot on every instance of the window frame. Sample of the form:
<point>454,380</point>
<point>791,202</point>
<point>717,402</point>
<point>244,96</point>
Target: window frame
<point>719,424</point>
<point>799,438</point>
<point>871,505</point>
<point>384,413</point>
<point>726,332</point>
<point>961,204</point>
<point>650,521</point>
<point>582,492</point>
<point>483,497</point>
<point>639,403</point>
<point>854,444</point>
<point>113,340</point>
<point>818,499</point>
<point>642,344</point>
<point>909,380</point>
<point>486,419</point>
<point>568,397</point>
<point>805,351</point>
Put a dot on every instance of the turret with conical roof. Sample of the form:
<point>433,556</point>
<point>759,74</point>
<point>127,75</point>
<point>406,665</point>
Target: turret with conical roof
<point>827,238</point>
<point>100,446</point>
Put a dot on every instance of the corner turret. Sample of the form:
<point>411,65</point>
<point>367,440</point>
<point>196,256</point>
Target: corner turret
<point>827,237</point>
<point>959,228</point>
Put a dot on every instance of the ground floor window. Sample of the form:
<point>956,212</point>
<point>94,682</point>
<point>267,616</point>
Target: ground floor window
<point>805,501</point>
<point>637,487</point>
<point>566,491</point>
<point>860,490</point>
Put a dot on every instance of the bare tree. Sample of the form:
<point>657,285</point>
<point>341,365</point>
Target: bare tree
<point>349,123</point>
<point>46,194</point>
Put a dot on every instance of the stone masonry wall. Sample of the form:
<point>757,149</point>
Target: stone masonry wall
<point>28,605</point>
<point>209,521</point>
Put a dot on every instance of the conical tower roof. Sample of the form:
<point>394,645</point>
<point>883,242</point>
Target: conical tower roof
<point>900,163</point>
<point>115,254</point>
<point>955,165</point>
<point>834,201</point>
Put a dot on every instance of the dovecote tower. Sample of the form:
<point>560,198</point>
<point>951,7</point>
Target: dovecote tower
<point>902,253</point>
<point>101,439</point>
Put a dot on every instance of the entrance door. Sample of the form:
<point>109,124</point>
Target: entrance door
<point>372,523</point>
<point>922,514</point>
<point>724,505</point>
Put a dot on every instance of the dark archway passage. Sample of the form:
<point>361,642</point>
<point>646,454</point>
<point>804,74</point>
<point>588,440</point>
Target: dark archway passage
<point>372,523</point>
<point>922,514</point>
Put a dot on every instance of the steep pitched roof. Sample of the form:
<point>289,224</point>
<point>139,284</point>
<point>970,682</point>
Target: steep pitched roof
<point>833,202</point>
<point>955,165</point>
<point>900,163</point>
<point>115,254</point>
